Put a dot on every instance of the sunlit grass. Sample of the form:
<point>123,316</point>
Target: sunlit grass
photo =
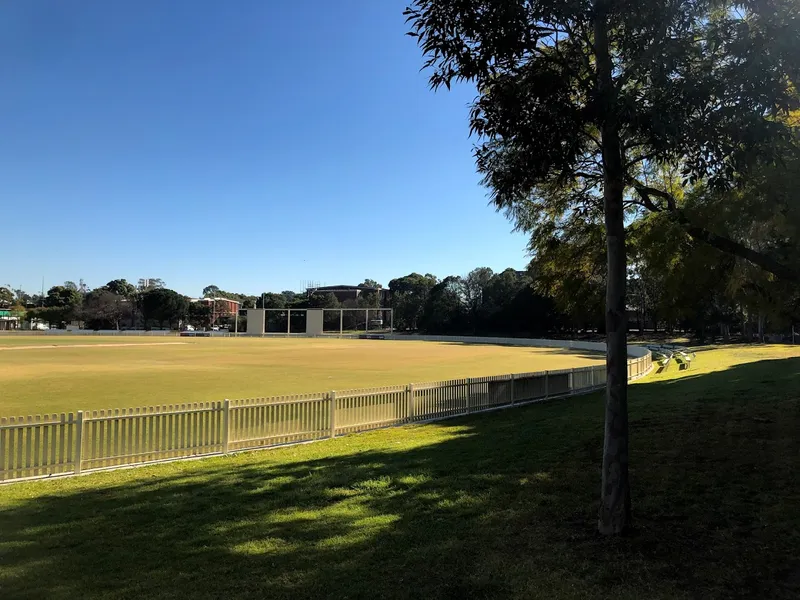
<point>57,376</point>
<point>498,504</point>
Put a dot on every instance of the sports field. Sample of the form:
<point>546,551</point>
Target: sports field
<point>494,505</point>
<point>46,374</point>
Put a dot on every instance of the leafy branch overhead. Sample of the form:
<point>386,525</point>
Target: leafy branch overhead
<point>699,88</point>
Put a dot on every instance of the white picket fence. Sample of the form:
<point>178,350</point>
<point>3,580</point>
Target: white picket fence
<point>72,443</point>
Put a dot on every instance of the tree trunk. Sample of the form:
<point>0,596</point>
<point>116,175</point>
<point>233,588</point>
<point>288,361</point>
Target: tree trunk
<point>615,499</point>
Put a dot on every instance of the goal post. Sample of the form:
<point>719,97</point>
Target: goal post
<point>349,321</point>
<point>320,321</point>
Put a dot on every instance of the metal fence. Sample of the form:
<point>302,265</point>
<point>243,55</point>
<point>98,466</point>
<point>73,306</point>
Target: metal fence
<point>72,443</point>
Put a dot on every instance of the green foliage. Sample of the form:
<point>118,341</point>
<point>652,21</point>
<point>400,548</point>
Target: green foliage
<point>62,297</point>
<point>199,315</point>
<point>103,309</point>
<point>22,297</point>
<point>691,84</point>
<point>163,307</point>
<point>211,291</point>
<point>569,265</point>
<point>62,305</point>
<point>270,300</point>
<point>445,310</point>
<point>409,295</point>
<point>145,285</point>
<point>473,285</point>
<point>121,287</point>
<point>327,300</point>
<point>369,300</point>
<point>6,296</point>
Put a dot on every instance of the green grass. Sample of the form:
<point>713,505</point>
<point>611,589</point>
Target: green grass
<point>53,374</point>
<point>500,504</point>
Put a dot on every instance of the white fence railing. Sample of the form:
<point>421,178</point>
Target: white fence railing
<point>72,443</point>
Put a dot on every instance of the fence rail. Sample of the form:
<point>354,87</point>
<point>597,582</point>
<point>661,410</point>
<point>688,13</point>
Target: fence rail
<point>72,443</point>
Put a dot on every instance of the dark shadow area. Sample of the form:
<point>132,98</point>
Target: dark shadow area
<point>494,505</point>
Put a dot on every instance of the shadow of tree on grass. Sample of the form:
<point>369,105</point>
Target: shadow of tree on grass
<point>494,505</point>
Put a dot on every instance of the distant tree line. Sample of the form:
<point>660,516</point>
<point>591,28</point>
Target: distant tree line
<point>675,284</point>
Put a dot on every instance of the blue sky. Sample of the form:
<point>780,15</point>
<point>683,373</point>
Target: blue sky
<point>249,144</point>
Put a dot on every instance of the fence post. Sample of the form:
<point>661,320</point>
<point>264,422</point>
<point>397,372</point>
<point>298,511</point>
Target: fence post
<point>591,377</point>
<point>512,389</point>
<point>469,395</point>
<point>546,384</point>
<point>333,413</point>
<point>76,467</point>
<point>571,381</point>
<point>226,422</point>
<point>410,401</point>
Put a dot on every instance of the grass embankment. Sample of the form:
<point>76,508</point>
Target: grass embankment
<point>55,374</point>
<point>494,505</point>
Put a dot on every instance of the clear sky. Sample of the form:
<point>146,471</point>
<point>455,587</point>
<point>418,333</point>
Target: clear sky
<point>251,144</point>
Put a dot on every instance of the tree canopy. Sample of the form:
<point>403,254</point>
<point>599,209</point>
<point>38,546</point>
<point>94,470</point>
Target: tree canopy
<point>580,102</point>
<point>164,307</point>
<point>121,287</point>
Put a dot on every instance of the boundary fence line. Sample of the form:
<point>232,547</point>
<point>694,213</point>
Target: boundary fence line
<point>42,446</point>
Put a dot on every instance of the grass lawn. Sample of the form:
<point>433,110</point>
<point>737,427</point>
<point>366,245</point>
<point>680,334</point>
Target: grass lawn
<point>53,374</point>
<point>499,504</point>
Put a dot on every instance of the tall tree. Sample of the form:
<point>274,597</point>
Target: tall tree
<point>164,306</point>
<point>569,259</point>
<point>271,300</point>
<point>580,97</point>
<point>103,309</point>
<point>63,304</point>
<point>121,287</point>
<point>21,296</point>
<point>473,286</point>
<point>147,284</point>
<point>199,314</point>
<point>409,295</point>
<point>323,301</point>
<point>6,296</point>
<point>211,291</point>
<point>370,283</point>
<point>248,301</point>
<point>445,310</point>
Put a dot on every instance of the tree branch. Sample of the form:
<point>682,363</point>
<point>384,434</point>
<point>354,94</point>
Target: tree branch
<point>719,242</point>
<point>645,192</point>
<point>729,246</point>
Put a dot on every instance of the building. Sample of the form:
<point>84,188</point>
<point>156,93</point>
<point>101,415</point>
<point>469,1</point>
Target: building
<point>344,293</point>
<point>10,319</point>
<point>220,307</point>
